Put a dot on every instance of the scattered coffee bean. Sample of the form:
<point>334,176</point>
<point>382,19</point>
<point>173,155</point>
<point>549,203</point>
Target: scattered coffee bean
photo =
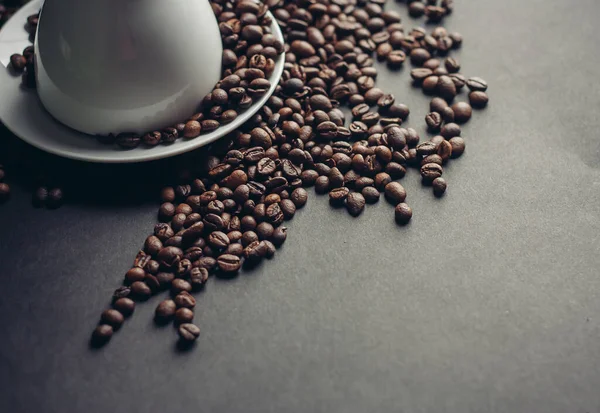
<point>165,311</point>
<point>125,306</point>
<point>102,334</point>
<point>188,332</point>
<point>403,213</point>
<point>355,203</point>
<point>477,84</point>
<point>439,186</point>
<point>113,318</point>
<point>462,112</point>
<point>395,193</point>
<point>478,99</point>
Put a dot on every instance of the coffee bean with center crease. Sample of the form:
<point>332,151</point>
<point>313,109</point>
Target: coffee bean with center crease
<point>431,171</point>
<point>477,84</point>
<point>229,263</point>
<point>274,215</point>
<point>188,332</point>
<point>434,121</point>
<point>458,146</point>
<point>169,257</point>
<point>338,196</point>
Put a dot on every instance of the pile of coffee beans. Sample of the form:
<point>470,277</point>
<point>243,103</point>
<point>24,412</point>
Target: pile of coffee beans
<point>231,214</point>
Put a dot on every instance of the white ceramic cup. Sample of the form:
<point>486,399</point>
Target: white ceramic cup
<point>111,66</point>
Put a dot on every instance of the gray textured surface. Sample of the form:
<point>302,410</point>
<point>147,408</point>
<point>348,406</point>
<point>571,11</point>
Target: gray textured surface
<point>487,302</point>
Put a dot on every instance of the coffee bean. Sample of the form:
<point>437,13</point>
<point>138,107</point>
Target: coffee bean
<point>458,79</point>
<point>462,112</point>
<point>458,146</point>
<point>198,277</point>
<point>439,187</point>
<point>165,311</point>
<point>403,213</point>
<point>450,130</point>
<point>188,332</point>
<point>430,84</point>
<point>279,236</point>
<point>192,129</point>
<point>396,58</point>
<point>434,121</point>
<point>55,198</point>
<point>179,285</point>
<point>431,171</point>
<point>264,230</point>
<point>444,150</point>
<point>218,240</point>
<point>355,203</point>
<point>446,88</point>
<point>229,263</point>
<point>478,99</point>
<point>370,194</point>
<point>299,197</point>
<point>426,148</point>
<point>135,274</point>
<point>416,9</point>
<point>322,184</point>
<point>452,65</point>
<point>338,196</point>
<point>477,84</point>
<point>121,292</point>
<point>419,56</point>
<point>125,306</point>
<point>102,334</point>
<point>113,318</point>
<point>381,180</point>
<point>141,290</point>
<point>18,62</point>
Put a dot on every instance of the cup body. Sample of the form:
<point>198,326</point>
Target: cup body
<point>111,66</point>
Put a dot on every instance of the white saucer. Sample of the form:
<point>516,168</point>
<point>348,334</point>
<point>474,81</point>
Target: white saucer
<point>22,112</point>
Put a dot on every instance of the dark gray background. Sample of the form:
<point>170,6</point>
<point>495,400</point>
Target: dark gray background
<point>487,302</point>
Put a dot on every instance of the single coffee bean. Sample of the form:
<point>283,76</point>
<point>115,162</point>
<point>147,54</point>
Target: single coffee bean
<point>218,240</point>
<point>135,274</point>
<point>437,105</point>
<point>169,257</point>
<point>264,230</point>
<point>125,306</point>
<point>478,99</point>
<point>322,184</point>
<point>450,130</point>
<point>459,80</point>
<point>198,277</point>
<point>458,146</point>
<point>102,334</point>
<point>18,62</point>
<point>419,75</point>
<point>416,9</point>
<point>229,263</point>
<point>452,65</point>
<point>439,187</point>
<point>477,84</point>
<point>113,318</point>
<point>444,150</point>
<point>249,237</point>
<point>141,290</point>
<point>279,236</point>
<point>188,332</point>
<point>430,84</point>
<point>192,129</point>
<point>40,196</point>
<point>462,112</point>
<point>165,311</point>
<point>299,197</point>
<point>395,193</point>
<point>403,213</point>
<point>431,171</point>
<point>434,121</point>
<point>355,203</point>
<point>426,148</point>
<point>179,285</point>
<point>338,196</point>
<point>121,292</point>
<point>446,88</point>
<point>381,180</point>
<point>418,56</point>
<point>370,194</point>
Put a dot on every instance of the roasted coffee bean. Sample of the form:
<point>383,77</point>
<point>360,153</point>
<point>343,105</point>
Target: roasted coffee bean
<point>113,318</point>
<point>396,58</point>
<point>165,311</point>
<point>185,300</point>
<point>299,197</point>
<point>218,240</point>
<point>439,187</point>
<point>355,203</point>
<point>135,274</point>
<point>426,148</point>
<point>183,315</point>
<point>198,277</point>
<point>444,150</point>
<point>450,130</point>
<point>452,65</point>
<point>264,230</point>
<point>188,332</point>
<point>178,285</point>
<point>18,62</point>
<point>141,290</point>
<point>169,257</point>
<point>395,193</point>
<point>446,88</point>
<point>477,84</point>
<point>229,263</point>
<point>430,84</point>
<point>478,99</point>
<point>322,184</point>
<point>418,56</point>
<point>416,9</point>
<point>434,121</point>
<point>121,292</point>
<point>279,236</point>
<point>125,306</point>
<point>403,213</point>
<point>102,334</point>
<point>381,180</point>
<point>459,80</point>
<point>458,146</point>
<point>338,196</point>
<point>288,208</point>
<point>370,194</point>
<point>431,171</point>
<point>462,112</point>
